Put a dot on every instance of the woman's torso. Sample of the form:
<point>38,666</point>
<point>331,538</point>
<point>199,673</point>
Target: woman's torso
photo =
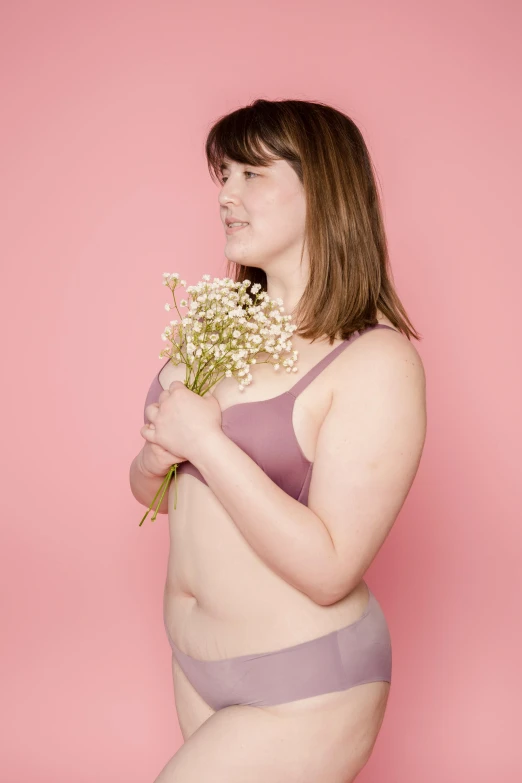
<point>221,600</point>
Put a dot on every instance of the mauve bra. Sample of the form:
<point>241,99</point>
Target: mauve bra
<point>263,429</point>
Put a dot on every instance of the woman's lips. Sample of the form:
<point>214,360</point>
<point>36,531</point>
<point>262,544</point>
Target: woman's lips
<point>233,229</point>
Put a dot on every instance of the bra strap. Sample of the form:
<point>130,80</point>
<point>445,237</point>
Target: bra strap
<point>325,361</point>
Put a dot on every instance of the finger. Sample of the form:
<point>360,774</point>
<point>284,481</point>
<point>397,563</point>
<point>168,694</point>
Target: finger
<point>148,432</point>
<point>151,411</point>
<point>165,394</point>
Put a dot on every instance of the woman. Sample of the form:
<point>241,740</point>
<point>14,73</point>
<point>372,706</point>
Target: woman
<point>281,653</point>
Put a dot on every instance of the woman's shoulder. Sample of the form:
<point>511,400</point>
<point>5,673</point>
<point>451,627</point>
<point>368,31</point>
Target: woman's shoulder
<point>388,350</point>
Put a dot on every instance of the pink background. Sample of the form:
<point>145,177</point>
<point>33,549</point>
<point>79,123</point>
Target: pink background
<point>106,106</point>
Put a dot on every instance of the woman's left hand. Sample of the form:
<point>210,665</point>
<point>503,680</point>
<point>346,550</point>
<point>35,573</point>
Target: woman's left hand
<point>182,420</point>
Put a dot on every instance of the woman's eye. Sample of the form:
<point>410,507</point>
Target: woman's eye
<point>224,179</point>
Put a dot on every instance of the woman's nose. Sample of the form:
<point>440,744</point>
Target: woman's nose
<point>226,195</point>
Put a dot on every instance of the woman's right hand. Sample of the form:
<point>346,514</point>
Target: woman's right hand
<point>155,460</point>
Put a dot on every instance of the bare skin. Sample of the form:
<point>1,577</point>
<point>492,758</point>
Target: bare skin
<point>219,602</point>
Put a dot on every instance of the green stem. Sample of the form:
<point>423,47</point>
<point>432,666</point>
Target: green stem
<point>162,489</point>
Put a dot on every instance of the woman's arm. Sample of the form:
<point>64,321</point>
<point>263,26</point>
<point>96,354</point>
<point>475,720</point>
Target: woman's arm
<point>286,535</point>
<point>367,454</point>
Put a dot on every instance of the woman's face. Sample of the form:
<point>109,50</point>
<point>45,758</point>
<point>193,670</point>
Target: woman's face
<point>272,201</point>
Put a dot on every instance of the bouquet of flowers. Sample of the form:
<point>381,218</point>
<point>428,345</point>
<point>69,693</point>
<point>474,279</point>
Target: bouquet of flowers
<point>220,335</point>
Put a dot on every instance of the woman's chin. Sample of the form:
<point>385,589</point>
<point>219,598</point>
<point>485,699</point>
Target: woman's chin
<point>236,256</point>
<point>241,256</point>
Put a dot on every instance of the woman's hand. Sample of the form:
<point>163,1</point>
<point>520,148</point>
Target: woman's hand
<point>181,420</point>
<point>155,460</point>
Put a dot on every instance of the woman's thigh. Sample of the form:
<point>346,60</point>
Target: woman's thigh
<point>192,709</point>
<point>328,737</point>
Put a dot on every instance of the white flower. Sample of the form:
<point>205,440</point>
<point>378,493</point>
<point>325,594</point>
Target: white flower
<point>225,328</point>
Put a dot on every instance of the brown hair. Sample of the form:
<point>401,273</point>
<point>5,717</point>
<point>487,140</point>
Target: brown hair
<point>350,276</point>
